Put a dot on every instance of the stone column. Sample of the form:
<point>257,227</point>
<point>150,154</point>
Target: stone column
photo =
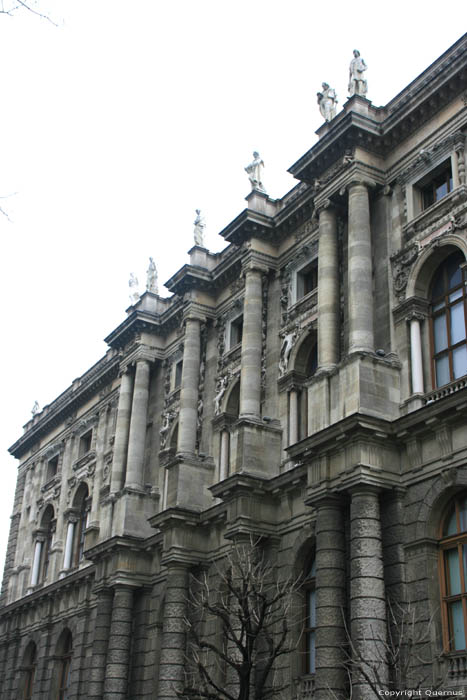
<point>293,416</point>
<point>250,377</point>
<point>416,353</point>
<point>330,599</point>
<point>172,660</point>
<point>224,458</point>
<point>328,289</point>
<point>100,643</point>
<point>36,563</point>
<point>360,282</point>
<point>122,429</point>
<point>367,592</point>
<point>139,415</point>
<point>70,535</point>
<point>118,651</point>
<point>188,420</point>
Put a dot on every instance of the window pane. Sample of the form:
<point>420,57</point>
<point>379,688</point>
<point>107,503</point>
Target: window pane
<point>454,271</point>
<point>453,571</point>
<point>459,361</point>
<point>463,514</point>
<point>311,660</point>
<point>457,323</point>
<point>311,622</point>
<point>450,527</point>
<point>441,190</point>
<point>452,297</point>
<point>442,371</point>
<point>457,626</point>
<point>438,285</point>
<point>440,333</point>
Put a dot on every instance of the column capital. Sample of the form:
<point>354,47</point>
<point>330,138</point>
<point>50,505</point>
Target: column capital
<point>357,181</point>
<point>415,316</point>
<point>323,205</point>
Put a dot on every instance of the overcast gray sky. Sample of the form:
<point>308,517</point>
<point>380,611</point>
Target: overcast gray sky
<point>122,120</point>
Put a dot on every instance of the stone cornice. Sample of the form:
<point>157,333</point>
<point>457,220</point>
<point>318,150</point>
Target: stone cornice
<point>82,389</point>
<point>380,129</point>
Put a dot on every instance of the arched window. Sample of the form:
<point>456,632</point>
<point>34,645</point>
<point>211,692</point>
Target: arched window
<point>448,321</point>
<point>82,507</point>
<point>64,654</point>
<point>29,670</point>
<point>48,526</point>
<point>453,568</point>
<point>309,589</point>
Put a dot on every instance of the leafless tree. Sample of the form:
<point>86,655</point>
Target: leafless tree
<point>253,610</point>
<point>11,7</point>
<point>407,654</point>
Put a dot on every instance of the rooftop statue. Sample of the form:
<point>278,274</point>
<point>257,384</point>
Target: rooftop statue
<point>327,101</point>
<point>134,293</point>
<point>198,231</point>
<point>254,173</point>
<point>35,409</point>
<point>151,283</point>
<point>357,83</point>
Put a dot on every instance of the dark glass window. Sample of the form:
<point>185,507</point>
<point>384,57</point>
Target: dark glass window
<point>30,672</point>
<point>52,466</point>
<point>448,322</point>
<point>178,374</point>
<point>453,569</point>
<point>85,443</point>
<point>438,188</point>
<point>307,279</point>
<point>309,589</point>
<point>236,331</point>
<point>64,669</point>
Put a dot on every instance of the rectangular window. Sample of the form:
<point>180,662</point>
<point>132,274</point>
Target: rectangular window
<point>85,443</point>
<point>178,374</point>
<point>434,186</point>
<point>236,331</point>
<point>307,279</point>
<point>52,466</point>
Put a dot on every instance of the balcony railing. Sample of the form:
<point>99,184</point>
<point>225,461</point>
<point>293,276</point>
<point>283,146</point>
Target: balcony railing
<point>458,667</point>
<point>446,390</point>
<point>304,687</point>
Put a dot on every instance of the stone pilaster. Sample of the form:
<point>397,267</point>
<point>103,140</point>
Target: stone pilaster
<point>330,598</point>
<point>100,643</point>
<point>416,357</point>
<point>250,377</point>
<point>100,450</point>
<point>367,591</point>
<point>360,281</point>
<point>118,651</point>
<point>293,416</point>
<point>122,430</point>
<point>172,661</point>
<point>137,438</point>
<point>188,420</point>
<point>328,289</point>
<point>224,459</point>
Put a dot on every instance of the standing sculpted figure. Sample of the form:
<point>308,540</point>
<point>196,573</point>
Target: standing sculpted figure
<point>198,232</point>
<point>151,283</point>
<point>327,101</point>
<point>286,348</point>
<point>357,83</point>
<point>133,284</point>
<point>254,170</point>
<point>220,391</point>
<point>35,409</point>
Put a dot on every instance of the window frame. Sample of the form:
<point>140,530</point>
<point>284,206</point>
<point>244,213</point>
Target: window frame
<point>309,585</point>
<point>446,309</point>
<point>449,543</point>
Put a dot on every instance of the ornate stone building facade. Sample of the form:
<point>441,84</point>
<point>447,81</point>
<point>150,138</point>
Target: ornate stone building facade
<point>308,386</point>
